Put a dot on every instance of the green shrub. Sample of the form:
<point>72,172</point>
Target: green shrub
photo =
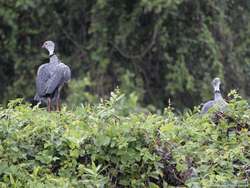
<point>106,146</point>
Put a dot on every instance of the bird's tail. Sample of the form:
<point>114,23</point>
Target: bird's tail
<point>37,98</point>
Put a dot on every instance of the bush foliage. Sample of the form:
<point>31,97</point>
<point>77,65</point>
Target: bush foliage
<point>108,145</point>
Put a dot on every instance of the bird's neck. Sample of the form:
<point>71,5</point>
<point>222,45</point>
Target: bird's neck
<point>53,59</point>
<point>51,51</point>
<point>52,56</point>
<point>217,87</point>
<point>217,94</point>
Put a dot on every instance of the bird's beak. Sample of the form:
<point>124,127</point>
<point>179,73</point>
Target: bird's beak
<point>43,46</point>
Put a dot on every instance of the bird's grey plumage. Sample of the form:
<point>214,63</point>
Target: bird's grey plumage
<point>207,106</point>
<point>218,100</point>
<point>56,79</point>
<point>42,78</point>
<point>51,77</point>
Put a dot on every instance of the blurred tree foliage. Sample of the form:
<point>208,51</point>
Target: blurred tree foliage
<point>158,49</point>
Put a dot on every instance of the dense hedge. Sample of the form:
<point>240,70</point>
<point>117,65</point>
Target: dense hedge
<point>109,146</point>
<point>159,49</point>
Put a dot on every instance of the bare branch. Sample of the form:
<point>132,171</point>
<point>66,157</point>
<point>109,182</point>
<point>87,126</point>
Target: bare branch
<point>68,36</point>
<point>142,54</point>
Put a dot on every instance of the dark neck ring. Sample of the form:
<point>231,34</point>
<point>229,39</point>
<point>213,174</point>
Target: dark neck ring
<point>52,55</point>
<point>217,91</point>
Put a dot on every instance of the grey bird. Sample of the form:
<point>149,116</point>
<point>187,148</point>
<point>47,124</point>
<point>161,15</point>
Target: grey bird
<point>50,78</point>
<point>218,100</point>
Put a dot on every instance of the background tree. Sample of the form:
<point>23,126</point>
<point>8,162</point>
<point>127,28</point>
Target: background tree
<point>158,49</point>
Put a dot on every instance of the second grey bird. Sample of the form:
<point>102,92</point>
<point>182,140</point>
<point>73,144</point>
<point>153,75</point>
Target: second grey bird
<point>218,100</point>
<point>50,78</point>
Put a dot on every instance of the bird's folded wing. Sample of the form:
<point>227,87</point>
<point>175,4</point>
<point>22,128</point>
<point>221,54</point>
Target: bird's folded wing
<point>207,106</point>
<point>41,80</point>
<point>54,81</point>
<point>67,73</point>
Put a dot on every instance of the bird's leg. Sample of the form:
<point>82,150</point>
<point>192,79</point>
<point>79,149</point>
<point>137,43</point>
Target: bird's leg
<point>52,108</point>
<point>58,105</point>
<point>49,104</point>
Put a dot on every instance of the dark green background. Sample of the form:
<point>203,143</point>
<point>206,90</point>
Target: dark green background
<point>158,49</point>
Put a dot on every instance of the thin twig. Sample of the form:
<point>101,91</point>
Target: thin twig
<point>68,36</point>
<point>141,55</point>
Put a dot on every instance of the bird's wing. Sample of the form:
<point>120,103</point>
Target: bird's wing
<point>55,81</point>
<point>207,106</point>
<point>42,77</point>
<point>67,73</point>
